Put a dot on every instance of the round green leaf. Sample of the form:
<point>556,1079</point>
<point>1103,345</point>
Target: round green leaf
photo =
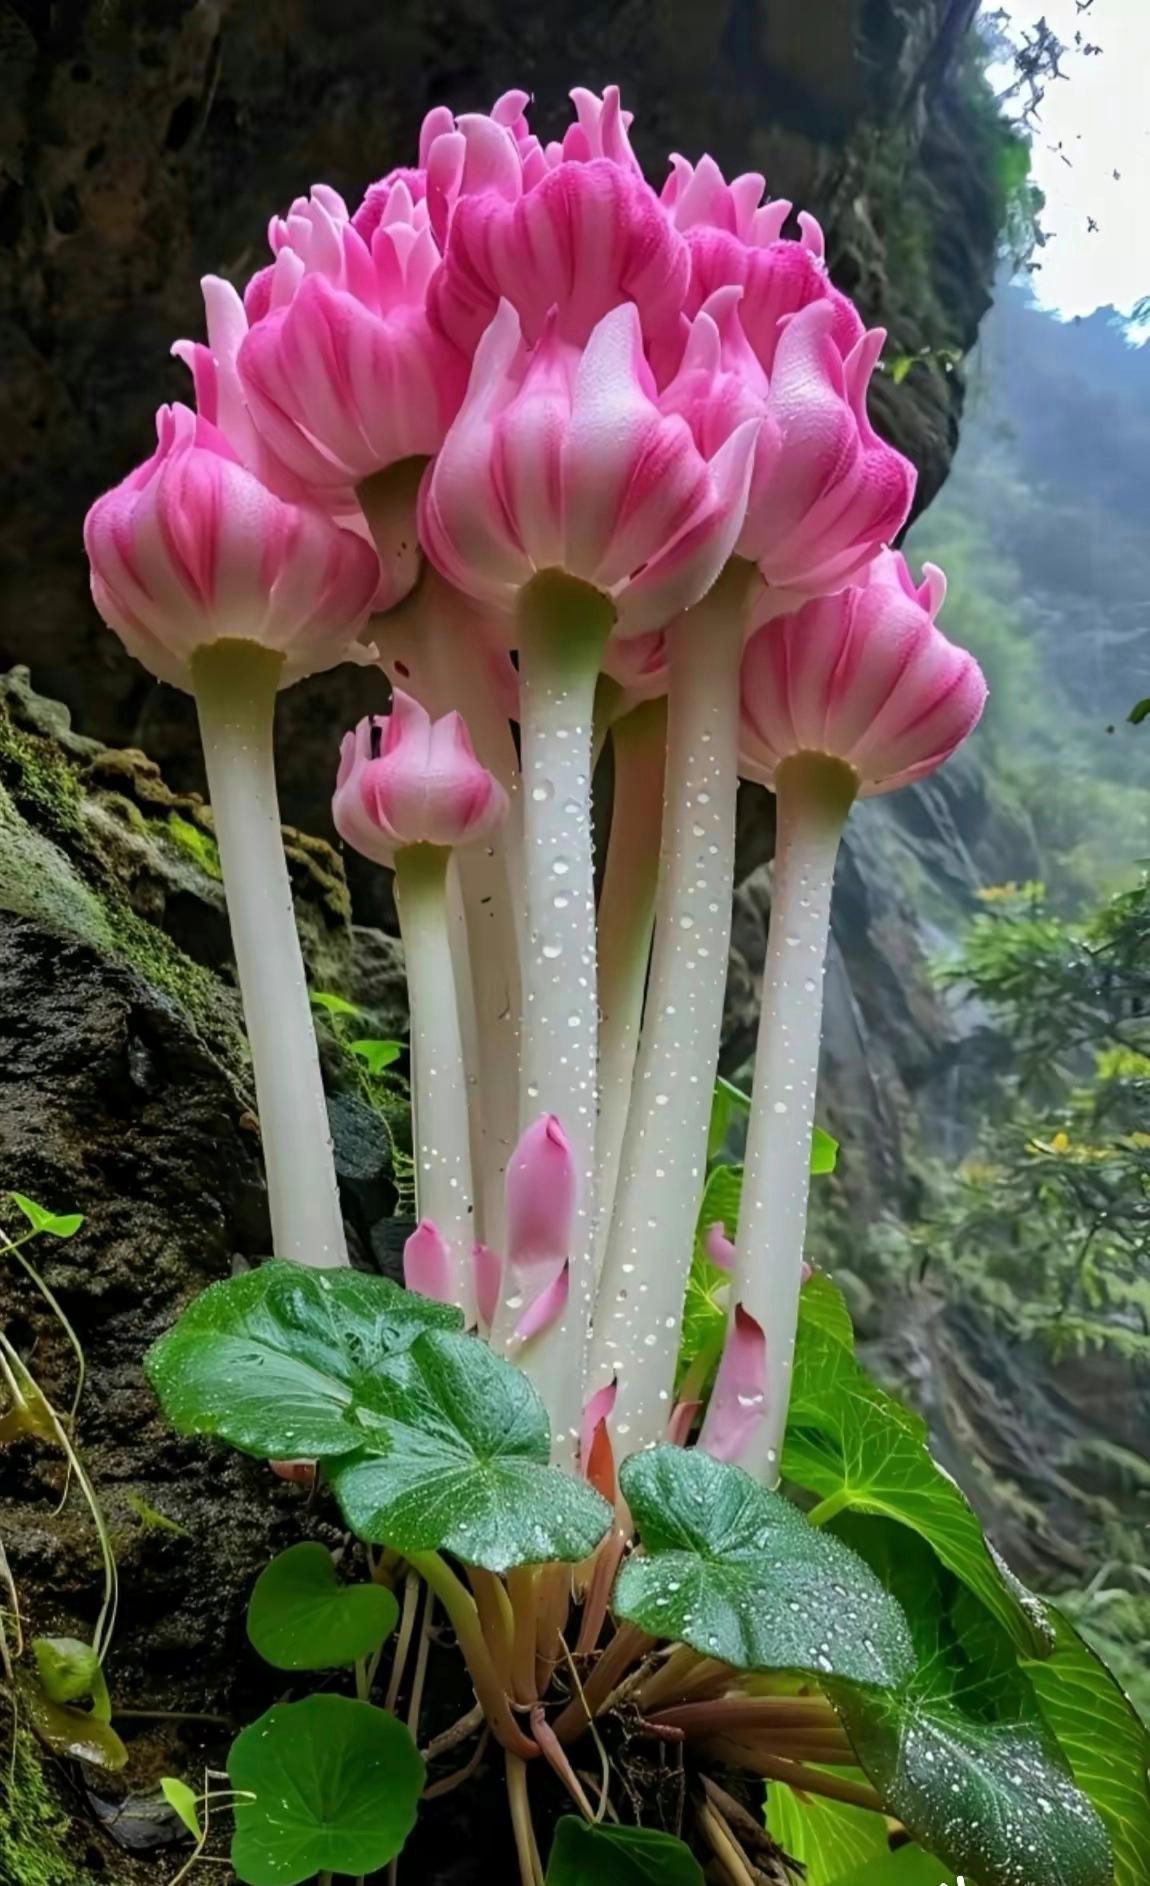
<point>619,1856</point>
<point>300,1617</point>
<point>458,1461</point>
<point>333,1787</point>
<point>739,1574</point>
<point>284,1362</point>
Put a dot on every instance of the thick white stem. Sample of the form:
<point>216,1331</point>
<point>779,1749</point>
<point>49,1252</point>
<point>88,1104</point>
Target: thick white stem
<point>442,1145</point>
<point>640,1299</point>
<point>562,629</point>
<point>235,688</point>
<point>435,646</point>
<point>626,921</point>
<point>813,794</point>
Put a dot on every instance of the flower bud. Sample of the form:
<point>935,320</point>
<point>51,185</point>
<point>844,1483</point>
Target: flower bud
<point>864,676</point>
<point>405,779</point>
<point>191,549</point>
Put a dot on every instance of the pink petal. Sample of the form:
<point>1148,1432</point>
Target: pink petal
<point>488,1271</point>
<point>739,1395</point>
<point>719,1247</point>
<point>542,1189</point>
<point>547,1307</point>
<point>427,1264</point>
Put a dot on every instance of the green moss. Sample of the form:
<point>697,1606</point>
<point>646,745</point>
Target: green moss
<point>162,964</point>
<point>199,845</point>
<point>39,778</point>
<point>37,1842</point>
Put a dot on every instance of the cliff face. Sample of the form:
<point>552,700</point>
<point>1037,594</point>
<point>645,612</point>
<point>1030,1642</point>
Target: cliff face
<point>144,146</point>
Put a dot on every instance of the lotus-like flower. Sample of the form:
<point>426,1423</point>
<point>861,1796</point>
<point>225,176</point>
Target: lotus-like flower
<point>864,676</point>
<point>576,229</point>
<point>561,459</point>
<point>826,492</point>
<point>341,370</point>
<point>405,779</point>
<point>734,238</point>
<point>853,694</point>
<point>192,549</point>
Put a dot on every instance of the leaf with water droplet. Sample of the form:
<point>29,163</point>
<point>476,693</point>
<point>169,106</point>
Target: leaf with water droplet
<point>1105,1741</point>
<point>960,1752</point>
<point>459,1461</point>
<point>857,1447</point>
<point>284,1361</point>
<point>743,1577</point>
<point>300,1617</point>
<point>327,1785</point>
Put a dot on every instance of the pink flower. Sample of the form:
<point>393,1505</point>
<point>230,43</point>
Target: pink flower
<point>342,373</point>
<point>191,548</point>
<point>560,458</point>
<point>542,1194</point>
<point>577,230</point>
<point>413,781</point>
<point>735,239</point>
<point>865,676</point>
<point>835,492</point>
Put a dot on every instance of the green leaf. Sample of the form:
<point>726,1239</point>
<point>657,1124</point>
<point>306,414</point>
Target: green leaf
<point>376,1055</point>
<point>1139,712</point>
<point>737,1100</point>
<point>739,1574</point>
<point>334,1786</point>
<point>859,1450</point>
<point>333,1004</point>
<point>458,1460</point>
<point>76,1733</point>
<point>184,1802</point>
<point>830,1839</point>
<point>619,1856</point>
<point>69,1670</point>
<point>960,1752</point>
<point>990,1796</point>
<point>908,1866</point>
<point>824,1152</point>
<point>301,1618</point>
<point>1105,1742</point>
<point>56,1224</point>
<point>285,1362</point>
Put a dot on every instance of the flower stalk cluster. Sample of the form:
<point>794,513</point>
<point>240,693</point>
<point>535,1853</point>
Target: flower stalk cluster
<point>598,462</point>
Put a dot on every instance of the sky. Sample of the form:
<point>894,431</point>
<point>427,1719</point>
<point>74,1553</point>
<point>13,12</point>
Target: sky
<point>1099,119</point>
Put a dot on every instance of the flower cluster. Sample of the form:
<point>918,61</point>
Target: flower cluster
<point>599,461</point>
